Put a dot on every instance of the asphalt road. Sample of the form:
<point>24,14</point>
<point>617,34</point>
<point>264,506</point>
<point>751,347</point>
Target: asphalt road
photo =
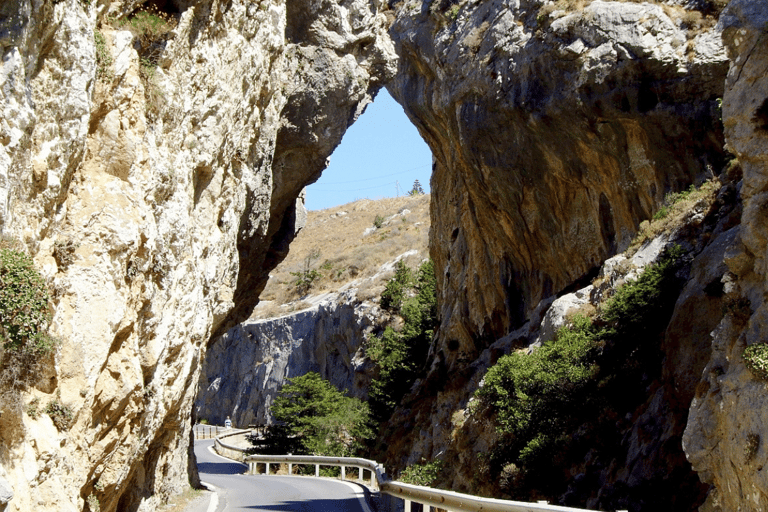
<point>236,492</point>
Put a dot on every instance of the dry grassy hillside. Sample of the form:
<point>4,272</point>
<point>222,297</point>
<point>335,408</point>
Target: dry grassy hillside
<point>344,245</point>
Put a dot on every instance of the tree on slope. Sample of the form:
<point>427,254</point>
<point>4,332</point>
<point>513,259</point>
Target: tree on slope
<point>313,417</point>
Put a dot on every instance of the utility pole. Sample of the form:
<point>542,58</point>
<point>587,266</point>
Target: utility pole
<point>397,188</point>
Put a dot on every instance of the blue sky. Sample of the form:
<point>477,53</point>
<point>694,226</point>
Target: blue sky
<point>380,151</point>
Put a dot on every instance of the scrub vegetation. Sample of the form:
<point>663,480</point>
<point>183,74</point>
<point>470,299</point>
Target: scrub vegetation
<point>25,344</point>
<point>562,400</point>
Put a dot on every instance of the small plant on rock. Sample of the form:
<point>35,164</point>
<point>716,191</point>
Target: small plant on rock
<point>24,317</point>
<point>60,413</point>
<point>756,360</point>
<point>93,503</point>
<point>103,57</point>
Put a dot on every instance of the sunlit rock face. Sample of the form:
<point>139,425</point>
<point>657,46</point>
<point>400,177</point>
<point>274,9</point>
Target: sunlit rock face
<point>554,134</point>
<point>725,435</point>
<point>154,181</point>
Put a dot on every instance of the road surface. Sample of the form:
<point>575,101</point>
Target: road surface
<point>236,492</point>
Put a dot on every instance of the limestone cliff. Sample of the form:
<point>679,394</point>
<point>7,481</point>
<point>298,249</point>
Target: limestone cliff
<point>153,176</point>
<point>248,365</point>
<point>554,134</point>
<point>725,434</point>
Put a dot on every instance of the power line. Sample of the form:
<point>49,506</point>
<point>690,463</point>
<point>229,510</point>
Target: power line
<point>377,177</point>
<point>354,189</point>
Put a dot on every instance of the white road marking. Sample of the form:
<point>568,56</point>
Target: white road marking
<point>214,496</point>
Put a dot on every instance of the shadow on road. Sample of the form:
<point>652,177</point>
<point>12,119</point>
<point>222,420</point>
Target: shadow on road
<point>220,468</point>
<point>348,504</point>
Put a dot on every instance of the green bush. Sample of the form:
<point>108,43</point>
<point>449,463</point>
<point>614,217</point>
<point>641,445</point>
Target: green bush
<point>24,314</point>
<point>25,344</point>
<point>756,360</point>
<point>93,503</point>
<point>378,222</point>
<point>103,57</point>
<point>313,417</point>
<point>426,474</point>
<point>305,280</point>
<point>396,288</point>
<point>536,395</point>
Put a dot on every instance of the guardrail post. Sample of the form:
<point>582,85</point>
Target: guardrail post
<point>343,472</point>
<point>406,505</point>
<point>267,473</point>
<point>373,479</point>
<point>360,474</point>
<point>317,470</point>
<point>290,468</point>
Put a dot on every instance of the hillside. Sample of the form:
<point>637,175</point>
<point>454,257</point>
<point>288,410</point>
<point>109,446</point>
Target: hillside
<point>346,248</point>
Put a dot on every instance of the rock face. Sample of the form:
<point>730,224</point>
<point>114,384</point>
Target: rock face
<point>646,468</point>
<point>247,366</point>
<point>153,177</point>
<point>554,134</point>
<point>725,434</point>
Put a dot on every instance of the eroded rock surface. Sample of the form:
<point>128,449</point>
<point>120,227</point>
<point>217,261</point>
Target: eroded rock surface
<point>554,134</point>
<point>154,180</point>
<point>248,365</point>
<point>725,434</point>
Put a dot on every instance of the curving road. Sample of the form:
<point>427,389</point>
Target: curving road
<point>236,492</point>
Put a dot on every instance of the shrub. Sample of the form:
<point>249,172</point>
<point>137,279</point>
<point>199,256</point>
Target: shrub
<point>93,503</point>
<point>64,252</point>
<point>103,57</point>
<point>756,359</point>
<point>534,394</point>
<point>24,317</point>
<point>60,413</point>
<point>425,473</point>
<point>378,222</point>
<point>305,280</point>
<point>398,355</point>
<point>23,302</point>
<point>33,408</point>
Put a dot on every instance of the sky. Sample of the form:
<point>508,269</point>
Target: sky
<point>380,151</point>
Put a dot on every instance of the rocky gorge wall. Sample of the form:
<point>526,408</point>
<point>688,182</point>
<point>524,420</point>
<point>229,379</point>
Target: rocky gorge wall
<point>154,179</point>
<point>555,131</point>
<point>724,437</point>
<point>247,366</point>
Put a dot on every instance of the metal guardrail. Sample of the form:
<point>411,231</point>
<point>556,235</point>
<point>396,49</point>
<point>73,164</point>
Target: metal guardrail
<point>375,469</point>
<point>438,499</point>
<point>202,431</point>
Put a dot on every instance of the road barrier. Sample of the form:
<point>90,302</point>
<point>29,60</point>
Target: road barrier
<point>437,499</point>
<point>201,431</point>
<point>228,450</point>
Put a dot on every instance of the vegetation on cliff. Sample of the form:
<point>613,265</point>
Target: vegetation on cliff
<point>398,355</point>
<point>24,317</point>
<point>554,405</point>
